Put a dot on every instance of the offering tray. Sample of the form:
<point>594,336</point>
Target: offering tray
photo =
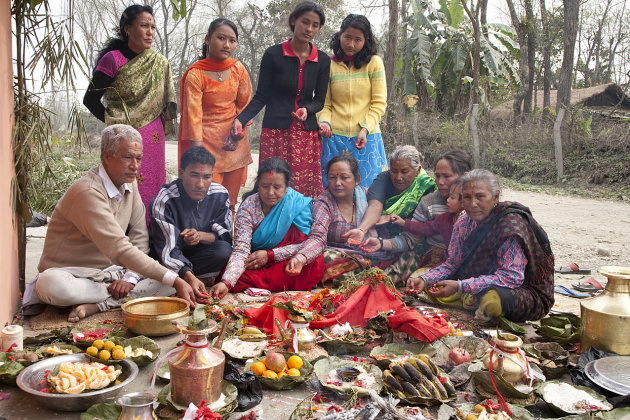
<point>611,373</point>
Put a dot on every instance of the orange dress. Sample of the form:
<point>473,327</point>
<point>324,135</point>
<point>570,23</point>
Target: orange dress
<point>208,108</point>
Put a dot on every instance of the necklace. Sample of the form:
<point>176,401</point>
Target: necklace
<point>220,76</point>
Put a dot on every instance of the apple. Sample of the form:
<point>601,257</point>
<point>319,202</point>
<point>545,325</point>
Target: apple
<point>458,356</point>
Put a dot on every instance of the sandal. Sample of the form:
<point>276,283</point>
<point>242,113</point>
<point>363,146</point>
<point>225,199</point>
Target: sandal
<point>573,268</point>
<point>590,286</point>
<point>563,290</point>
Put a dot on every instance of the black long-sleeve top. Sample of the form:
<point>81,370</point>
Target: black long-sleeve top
<point>100,81</point>
<point>278,83</point>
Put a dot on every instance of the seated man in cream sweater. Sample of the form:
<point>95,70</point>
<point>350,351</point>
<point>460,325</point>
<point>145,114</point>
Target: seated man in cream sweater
<point>95,252</point>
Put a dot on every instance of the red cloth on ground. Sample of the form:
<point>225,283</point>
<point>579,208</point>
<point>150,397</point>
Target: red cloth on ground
<point>365,303</point>
<point>273,277</point>
<point>263,317</point>
<point>408,320</point>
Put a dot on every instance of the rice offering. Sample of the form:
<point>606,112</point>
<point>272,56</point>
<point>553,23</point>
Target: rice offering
<point>240,349</point>
<point>572,400</point>
<point>76,377</point>
<point>363,380</point>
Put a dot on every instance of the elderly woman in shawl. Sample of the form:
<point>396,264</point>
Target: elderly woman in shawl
<point>138,89</point>
<point>396,191</point>
<point>499,259</point>
<point>272,222</point>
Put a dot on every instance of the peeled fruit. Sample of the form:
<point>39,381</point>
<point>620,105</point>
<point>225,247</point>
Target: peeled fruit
<point>92,351</point>
<point>258,368</point>
<point>270,374</point>
<point>104,355</point>
<point>275,362</point>
<point>109,345</point>
<point>458,356</point>
<point>295,362</point>
<point>293,372</point>
<point>118,354</point>
<point>98,344</point>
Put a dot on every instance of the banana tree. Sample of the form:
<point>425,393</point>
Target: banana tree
<point>440,49</point>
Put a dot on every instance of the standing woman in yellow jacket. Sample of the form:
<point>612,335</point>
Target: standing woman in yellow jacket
<point>356,100</point>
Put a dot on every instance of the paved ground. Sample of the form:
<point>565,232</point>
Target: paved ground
<point>590,232</point>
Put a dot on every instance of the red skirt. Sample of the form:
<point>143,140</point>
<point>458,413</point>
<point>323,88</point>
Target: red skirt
<point>273,277</point>
<point>302,150</point>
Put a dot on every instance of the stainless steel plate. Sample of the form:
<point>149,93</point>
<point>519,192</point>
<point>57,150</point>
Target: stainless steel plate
<point>611,373</point>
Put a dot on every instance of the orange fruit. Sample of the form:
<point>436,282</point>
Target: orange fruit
<point>295,362</point>
<point>264,361</point>
<point>281,374</point>
<point>258,368</point>
<point>293,372</point>
<point>270,374</point>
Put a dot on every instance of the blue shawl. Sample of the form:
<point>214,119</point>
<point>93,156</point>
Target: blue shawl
<point>295,209</point>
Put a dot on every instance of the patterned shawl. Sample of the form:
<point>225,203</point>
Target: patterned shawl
<point>141,91</point>
<point>510,219</point>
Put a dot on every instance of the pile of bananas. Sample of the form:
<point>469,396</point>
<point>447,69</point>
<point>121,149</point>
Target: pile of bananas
<point>416,377</point>
<point>251,334</point>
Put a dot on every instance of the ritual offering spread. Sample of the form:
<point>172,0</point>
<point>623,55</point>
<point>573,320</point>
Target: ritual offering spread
<point>75,377</point>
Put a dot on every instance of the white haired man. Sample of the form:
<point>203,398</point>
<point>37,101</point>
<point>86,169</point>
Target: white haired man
<point>97,238</point>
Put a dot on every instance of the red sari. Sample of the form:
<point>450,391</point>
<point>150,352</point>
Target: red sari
<point>273,277</point>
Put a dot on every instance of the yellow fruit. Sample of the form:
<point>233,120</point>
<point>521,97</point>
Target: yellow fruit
<point>293,372</point>
<point>98,344</point>
<point>295,362</point>
<point>118,347</point>
<point>270,374</point>
<point>109,345</point>
<point>118,354</point>
<point>104,355</point>
<point>258,368</point>
<point>281,374</point>
<point>117,382</point>
<point>92,351</point>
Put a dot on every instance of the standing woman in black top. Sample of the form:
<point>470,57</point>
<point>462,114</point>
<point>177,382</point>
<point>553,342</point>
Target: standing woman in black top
<point>292,84</point>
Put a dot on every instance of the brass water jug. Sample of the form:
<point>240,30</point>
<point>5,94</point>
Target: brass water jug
<point>606,318</point>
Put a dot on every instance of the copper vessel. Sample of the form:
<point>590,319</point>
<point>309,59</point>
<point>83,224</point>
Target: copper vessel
<point>606,318</point>
<point>196,369</point>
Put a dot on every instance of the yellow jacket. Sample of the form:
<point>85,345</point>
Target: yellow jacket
<point>356,98</point>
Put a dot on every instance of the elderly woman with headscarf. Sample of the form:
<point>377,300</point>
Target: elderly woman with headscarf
<point>499,259</point>
<point>396,191</point>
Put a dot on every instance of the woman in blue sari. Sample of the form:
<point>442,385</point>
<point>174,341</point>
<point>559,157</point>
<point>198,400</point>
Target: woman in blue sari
<point>271,224</point>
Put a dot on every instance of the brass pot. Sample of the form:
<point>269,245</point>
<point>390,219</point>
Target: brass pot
<point>606,318</point>
<point>153,316</point>
<point>306,338</point>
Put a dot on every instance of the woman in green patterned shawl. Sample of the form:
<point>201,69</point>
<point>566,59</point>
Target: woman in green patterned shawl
<point>396,191</point>
<point>138,88</point>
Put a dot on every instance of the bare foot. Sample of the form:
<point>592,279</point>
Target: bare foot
<point>81,311</point>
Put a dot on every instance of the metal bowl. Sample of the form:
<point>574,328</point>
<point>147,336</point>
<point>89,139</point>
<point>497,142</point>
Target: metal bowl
<point>31,378</point>
<point>152,316</point>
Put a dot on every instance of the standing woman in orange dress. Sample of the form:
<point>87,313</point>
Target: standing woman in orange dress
<point>213,91</point>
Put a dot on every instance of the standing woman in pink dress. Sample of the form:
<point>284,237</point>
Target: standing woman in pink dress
<point>138,88</point>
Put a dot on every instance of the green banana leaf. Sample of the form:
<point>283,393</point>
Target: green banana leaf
<point>9,371</point>
<point>286,382</point>
<point>145,343</point>
<point>386,353</point>
<point>563,328</point>
<point>482,376</point>
<point>512,327</point>
<point>41,351</point>
<point>518,413</point>
<point>229,390</point>
<point>102,412</point>
<point>553,403</point>
<point>323,368</point>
